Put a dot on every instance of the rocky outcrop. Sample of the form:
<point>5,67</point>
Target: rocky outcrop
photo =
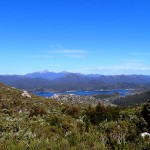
<point>26,94</point>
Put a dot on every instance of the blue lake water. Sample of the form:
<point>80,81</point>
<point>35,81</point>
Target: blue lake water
<point>121,92</point>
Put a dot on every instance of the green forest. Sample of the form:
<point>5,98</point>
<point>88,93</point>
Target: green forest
<point>29,122</point>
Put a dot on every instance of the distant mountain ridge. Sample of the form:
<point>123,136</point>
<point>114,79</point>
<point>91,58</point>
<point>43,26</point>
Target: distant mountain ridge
<point>74,81</point>
<point>47,75</point>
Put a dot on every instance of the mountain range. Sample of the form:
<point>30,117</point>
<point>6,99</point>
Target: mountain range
<point>74,81</point>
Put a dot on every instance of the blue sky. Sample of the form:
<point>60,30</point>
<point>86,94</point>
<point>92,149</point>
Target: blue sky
<point>86,36</point>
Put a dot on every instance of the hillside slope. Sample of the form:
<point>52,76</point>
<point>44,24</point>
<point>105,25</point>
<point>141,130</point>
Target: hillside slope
<point>132,100</point>
<point>31,122</point>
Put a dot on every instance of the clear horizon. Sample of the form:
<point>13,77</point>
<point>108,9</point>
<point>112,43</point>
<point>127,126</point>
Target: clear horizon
<point>71,72</point>
<point>80,36</point>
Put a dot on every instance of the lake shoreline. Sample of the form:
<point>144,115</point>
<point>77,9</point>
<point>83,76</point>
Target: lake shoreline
<point>120,92</point>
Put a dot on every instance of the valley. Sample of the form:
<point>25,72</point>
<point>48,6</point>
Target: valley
<point>71,122</point>
<point>74,75</point>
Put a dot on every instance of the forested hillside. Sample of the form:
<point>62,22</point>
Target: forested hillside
<point>31,122</point>
<point>132,100</point>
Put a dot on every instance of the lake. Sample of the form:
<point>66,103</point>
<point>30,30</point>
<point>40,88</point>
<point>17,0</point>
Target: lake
<point>122,92</point>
